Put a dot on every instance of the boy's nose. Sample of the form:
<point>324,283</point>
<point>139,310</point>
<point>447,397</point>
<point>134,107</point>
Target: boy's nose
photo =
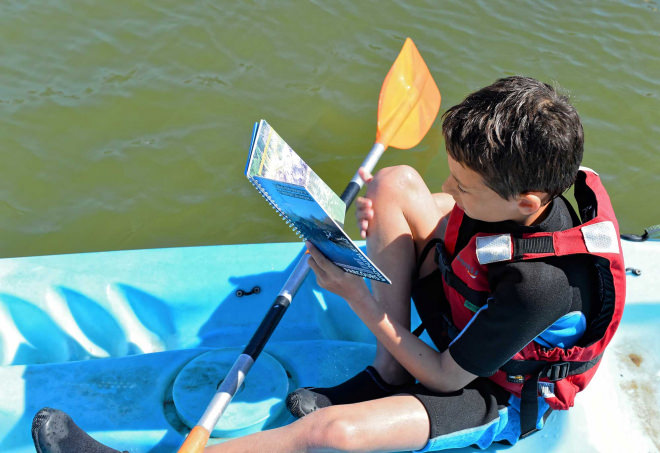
<point>448,186</point>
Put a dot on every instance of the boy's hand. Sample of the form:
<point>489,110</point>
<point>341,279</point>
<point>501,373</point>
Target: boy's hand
<point>331,277</point>
<point>364,211</point>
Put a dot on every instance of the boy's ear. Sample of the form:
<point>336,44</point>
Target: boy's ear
<point>530,202</point>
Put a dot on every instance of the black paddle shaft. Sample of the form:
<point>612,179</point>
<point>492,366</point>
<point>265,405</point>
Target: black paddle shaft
<point>350,192</point>
<point>267,327</point>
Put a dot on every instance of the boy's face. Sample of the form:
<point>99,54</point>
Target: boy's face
<point>475,198</point>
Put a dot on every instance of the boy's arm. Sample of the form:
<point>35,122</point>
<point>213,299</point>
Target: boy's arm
<point>526,298</point>
<point>436,371</point>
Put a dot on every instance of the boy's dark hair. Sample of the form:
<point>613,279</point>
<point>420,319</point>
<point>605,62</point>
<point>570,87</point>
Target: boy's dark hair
<point>519,134</point>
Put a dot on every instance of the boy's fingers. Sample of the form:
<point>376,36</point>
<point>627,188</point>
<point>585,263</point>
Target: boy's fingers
<point>364,209</point>
<point>311,249</point>
<point>318,259</point>
<point>314,266</point>
<point>325,269</point>
<point>363,203</point>
<point>365,215</point>
<point>365,175</point>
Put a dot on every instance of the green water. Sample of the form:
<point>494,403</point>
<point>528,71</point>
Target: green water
<point>125,124</point>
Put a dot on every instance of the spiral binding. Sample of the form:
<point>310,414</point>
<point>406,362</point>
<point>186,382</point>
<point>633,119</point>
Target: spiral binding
<point>281,213</point>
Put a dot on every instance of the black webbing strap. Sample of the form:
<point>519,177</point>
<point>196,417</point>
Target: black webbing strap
<point>540,244</point>
<point>553,371</point>
<point>425,251</point>
<point>478,298</point>
<point>529,406</point>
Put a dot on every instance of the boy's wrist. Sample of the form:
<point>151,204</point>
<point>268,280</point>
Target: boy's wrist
<point>364,304</point>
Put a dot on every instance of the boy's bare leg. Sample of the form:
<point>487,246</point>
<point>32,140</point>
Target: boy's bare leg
<point>396,423</point>
<point>406,216</point>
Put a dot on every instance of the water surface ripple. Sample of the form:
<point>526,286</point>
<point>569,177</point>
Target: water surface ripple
<point>125,124</point>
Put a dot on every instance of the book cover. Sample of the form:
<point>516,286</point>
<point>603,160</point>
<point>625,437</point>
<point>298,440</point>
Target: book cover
<point>306,203</point>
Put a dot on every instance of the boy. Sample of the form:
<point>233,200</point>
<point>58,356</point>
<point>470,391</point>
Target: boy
<point>519,296</point>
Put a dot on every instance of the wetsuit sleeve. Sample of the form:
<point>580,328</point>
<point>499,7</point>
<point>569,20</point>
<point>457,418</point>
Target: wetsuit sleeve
<point>526,299</point>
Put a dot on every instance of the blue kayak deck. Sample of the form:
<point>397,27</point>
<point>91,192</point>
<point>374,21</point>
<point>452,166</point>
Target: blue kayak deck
<point>111,338</point>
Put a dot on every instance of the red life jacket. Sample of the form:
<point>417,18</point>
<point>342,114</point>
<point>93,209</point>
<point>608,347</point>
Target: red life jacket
<point>556,373</point>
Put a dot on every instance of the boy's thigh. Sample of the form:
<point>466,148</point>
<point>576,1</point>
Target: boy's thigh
<point>401,190</point>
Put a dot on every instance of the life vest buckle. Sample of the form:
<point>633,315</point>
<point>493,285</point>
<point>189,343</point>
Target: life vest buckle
<point>557,371</point>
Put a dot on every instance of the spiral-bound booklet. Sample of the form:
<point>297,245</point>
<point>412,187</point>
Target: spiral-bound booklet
<point>304,201</point>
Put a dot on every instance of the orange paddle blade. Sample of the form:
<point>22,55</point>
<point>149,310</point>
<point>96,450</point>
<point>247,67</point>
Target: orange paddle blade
<point>409,100</point>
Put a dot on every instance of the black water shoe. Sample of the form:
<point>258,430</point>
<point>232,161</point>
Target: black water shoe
<point>364,386</point>
<point>53,431</point>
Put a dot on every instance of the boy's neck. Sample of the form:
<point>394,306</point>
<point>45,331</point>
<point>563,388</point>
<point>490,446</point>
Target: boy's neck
<point>538,217</point>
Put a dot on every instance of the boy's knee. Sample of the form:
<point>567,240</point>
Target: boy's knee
<point>394,181</point>
<point>331,430</point>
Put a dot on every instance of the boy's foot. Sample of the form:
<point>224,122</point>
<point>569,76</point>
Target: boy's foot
<point>53,431</point>
<point>364,386</point>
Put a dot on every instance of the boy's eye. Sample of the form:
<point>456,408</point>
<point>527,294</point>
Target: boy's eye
<point>460,189</point>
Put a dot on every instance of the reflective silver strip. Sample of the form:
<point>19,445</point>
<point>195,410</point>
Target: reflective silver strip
<point>491,249</point>
<point>601,237</point>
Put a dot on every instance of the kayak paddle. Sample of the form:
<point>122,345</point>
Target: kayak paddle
<point>407,106</point>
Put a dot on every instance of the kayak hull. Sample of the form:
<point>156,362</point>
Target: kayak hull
<point>130,342</point>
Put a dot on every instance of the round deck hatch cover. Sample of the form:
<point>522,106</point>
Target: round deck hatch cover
<point>260,398</point>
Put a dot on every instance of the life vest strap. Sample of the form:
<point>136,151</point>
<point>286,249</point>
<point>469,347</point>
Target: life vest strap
<point>537,369</point>
<point>507,247</point>
<point>535,245</point>
<point>478,298</point>
<point>552,371</point>
<point>594,238</point>
<point>425,251</point>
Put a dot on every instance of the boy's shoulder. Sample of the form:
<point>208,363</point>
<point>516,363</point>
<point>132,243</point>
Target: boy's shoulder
<point>561,216</point>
